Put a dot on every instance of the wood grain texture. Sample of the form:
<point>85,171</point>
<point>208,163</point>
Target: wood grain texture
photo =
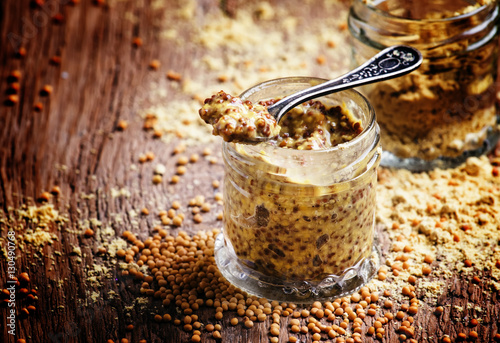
<point>73,142</point>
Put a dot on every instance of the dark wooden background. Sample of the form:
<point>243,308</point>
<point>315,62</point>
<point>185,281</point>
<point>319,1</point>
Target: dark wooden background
<point>98,82</point>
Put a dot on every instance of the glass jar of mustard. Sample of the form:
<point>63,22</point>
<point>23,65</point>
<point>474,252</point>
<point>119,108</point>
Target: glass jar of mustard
<point>445,111</point>
<point>299,224</point>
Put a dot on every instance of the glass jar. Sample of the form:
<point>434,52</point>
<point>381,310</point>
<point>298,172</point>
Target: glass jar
<point>299,224</point>
<point>445,111</point>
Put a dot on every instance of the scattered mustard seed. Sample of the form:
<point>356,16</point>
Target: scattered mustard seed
<point>38,107</point>
<point>173,76</point>
<point>197,218</point>
<point>157,134</point>
<point>122,125</point>
<point>46,90</point>
<point>136,42</point>
<point>157,179</point>
<point>154,64</point>
<point>194,158</point>
<point>56,190</point>
<point>45,196</point>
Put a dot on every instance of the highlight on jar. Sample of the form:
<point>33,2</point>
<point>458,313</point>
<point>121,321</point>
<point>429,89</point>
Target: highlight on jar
<point>445,111</point>
<point>299,209</point>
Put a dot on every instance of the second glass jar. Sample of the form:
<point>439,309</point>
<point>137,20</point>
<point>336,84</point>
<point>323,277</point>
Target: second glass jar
<point>444,111</point>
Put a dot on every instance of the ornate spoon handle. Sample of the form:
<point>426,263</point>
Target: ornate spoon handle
<point>389,63</point>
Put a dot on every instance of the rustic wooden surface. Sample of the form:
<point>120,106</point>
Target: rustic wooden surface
<point>98,82</point>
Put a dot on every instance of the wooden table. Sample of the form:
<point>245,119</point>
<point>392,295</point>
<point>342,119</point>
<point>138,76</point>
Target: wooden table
<point>68,136</point>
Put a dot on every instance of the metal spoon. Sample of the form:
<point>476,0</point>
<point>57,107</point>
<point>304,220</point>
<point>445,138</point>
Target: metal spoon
<point>389,63</point>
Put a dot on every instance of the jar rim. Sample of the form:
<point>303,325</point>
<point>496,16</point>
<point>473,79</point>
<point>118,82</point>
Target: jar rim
<point>303,79</point>
<point>462,16</point>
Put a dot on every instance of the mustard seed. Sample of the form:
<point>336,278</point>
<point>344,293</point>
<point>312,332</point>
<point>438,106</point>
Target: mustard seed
<point>122,125</point>
<point>38,107</point>
<point>14,76</point>
<point>46,90</point>
<point>179,149</point>
<point>177,221</point>
<point>413,310</point>
<point>45,196</point>
<point>275,331</point>
<point>182,161</point>
<point>175,179</point>
<point>157,134</point>
<point>197,218</point>
<point>173,76</point>
<point>157,179</point>
<point>234,321</point>
<point>194,158</point>
<point>24,277</point>
<point>137,42</point>
<point>13,88</point>
<point>171,213</point>
<point>56,190</point>
<point>89,233</point>
<point>216,335</point>
<point>428,259</point>
<point>181,170</point>
<point>21,52</point>
<point>412,279</point>
<point>249,324</point>
<point>165,220</point>
<point>154,64</point>
<point>11,100</point>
